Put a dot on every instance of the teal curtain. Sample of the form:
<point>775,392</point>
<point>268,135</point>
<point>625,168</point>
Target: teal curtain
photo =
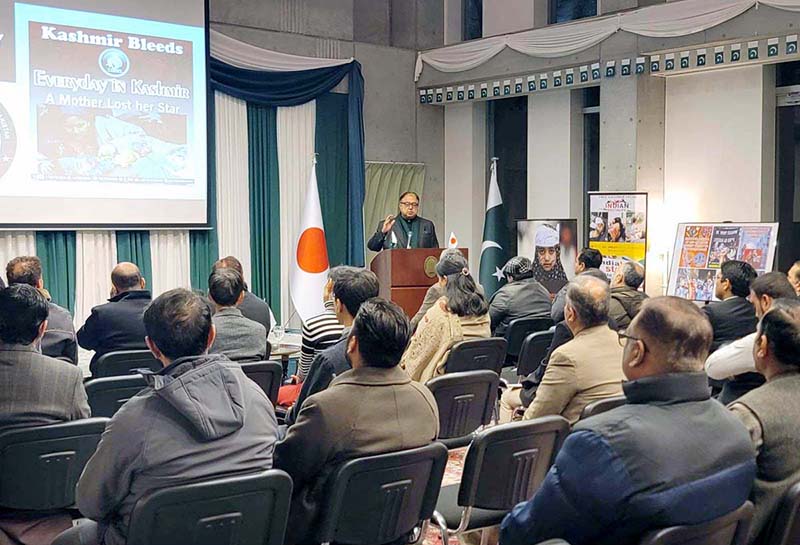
<point>56,250</point>
<point>134,246</point>
<point>332,173</point>
<point>203,245</point>
<point>265,219</point>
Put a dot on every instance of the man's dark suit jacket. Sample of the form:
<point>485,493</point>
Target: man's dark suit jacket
<point>427,236</point>
<point>116,325</point>
<point>731,319</point>
<point>59,339</point>
<point>256,309</point>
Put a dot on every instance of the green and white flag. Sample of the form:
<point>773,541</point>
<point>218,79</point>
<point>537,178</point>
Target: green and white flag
<point>494,250</point>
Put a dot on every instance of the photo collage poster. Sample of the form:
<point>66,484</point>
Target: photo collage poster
<point>552,246</point>
<point>618,228</point>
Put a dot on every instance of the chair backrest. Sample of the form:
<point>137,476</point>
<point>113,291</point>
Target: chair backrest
<point>533,350</point>
<point>730,529</point>
<point>125,362</point>
<point>379,499</point>
<point>40,466</point>
<point>267,374</point>
<point>108,394</point>
<point>784,529</point>
<point>249,509</point>
<point>506,464</point>
<point>519,329</point>
<point>465,401</point>
<point>477,354</point>
<point>602,405</point>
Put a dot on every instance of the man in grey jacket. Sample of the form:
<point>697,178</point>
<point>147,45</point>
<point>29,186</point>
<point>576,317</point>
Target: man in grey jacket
<point>162,436</point>
<point>239,338</point>
<point>626,299</point>
<point>521,297</point>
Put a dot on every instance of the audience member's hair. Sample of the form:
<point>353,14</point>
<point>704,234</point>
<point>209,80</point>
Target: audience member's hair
<point>225,286</point>
<point>126,276</point>
<point>178,323</point>
<point>26,269</point>
<point>775,284</point>
<point>408,193</point>
<point>463,297</point>
<point>632,274</point>
<point>383,332</point>
<point>228,262</point>
<point>22,310</point>
<point>781,325</point>
<point>679,328</point>
<point>591,258</point>
<point>353,286</point>
<point>740,274</point>
<point>796,266</point>
<point>589,297</point>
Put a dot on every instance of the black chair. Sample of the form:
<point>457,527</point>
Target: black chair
<point>466,402</point>
<point>125,362</point>
<point>268,375</point>
<point>602,405</point>
<point>249,509</point>
<point>108,394</point>
<point>376,500</point>
<point>518,330</point>
<point>504,466</point>
<point>784,528</point>
<point>40,466</point>
<point>534,349</point>
<point>477,354</point>
<point>730,529</point>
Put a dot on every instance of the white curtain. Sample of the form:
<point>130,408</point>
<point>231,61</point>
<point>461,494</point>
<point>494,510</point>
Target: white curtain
<point>14,244</point>
<point>668,20</point>
<point>95,257</point>
<point>233,190</point>
<point>244,55</point>
<point>295,158</point>
<point>169,255</point>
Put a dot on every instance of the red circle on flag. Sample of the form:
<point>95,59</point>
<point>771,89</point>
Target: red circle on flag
<point>312,253</point>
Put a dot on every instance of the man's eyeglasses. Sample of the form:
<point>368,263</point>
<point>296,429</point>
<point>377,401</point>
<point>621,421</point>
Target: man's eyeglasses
<point>622,337</point>
<point>410,204</point>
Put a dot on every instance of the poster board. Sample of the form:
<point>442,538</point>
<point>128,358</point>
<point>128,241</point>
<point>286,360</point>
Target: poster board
<point>554,263</point>
<point>701,249</point>
<point>617,227</point>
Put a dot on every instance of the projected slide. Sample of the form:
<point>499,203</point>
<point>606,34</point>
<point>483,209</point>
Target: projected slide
<point>102,115</point>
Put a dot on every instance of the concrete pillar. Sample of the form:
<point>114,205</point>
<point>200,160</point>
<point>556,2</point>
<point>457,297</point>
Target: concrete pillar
<point>465,176</point>
<point>505,16</point>
<point>453,21</point>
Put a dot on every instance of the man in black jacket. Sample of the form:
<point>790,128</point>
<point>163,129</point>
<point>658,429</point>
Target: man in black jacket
<point>407,230</point>
<point>118,324</point>
<point>521,297</point>
<point>626,299</point>
<point>588,261</point>
<point>351,288</point>
<point>733,316</point>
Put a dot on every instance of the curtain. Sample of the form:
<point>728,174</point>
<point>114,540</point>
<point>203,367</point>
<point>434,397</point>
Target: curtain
<point>385,183</point>
<point>172,267</point>
<point>332,173</point>
<point>203,246</point>
<point>265,218</point>
<point>95,257</point>
<point>134,246</point>
<point>233,199</point>
<point>355,163</point>
<point>295,130</point>
<point>14,244</point>
<point>56,249</point>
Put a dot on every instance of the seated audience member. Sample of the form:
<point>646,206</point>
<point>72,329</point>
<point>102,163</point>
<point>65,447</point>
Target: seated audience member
<point>434,293</point>
<point>237,337</point>
<point>794,276</point>
<point>163,436</point>
<point>521,297</point>
<point>252,307</point>
<point>372,409</point>
<point>35,390</point>
<point>59,339</point>
<point>352,287</point>
<point>587,262</point>
<point>460,315</point>
<point>734,361</point>
<point>586,368</point>
<point>626,299</point>
<point>321,331</point>
<point>732,317</point>
<point>671,456</point>
<point>770,412</point>
<point>118,324</point>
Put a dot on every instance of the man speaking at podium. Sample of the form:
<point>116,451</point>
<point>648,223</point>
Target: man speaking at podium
<point>407,230</point>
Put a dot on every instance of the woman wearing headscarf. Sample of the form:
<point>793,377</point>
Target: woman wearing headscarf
<point>461,314</point>
<point>547,267</point>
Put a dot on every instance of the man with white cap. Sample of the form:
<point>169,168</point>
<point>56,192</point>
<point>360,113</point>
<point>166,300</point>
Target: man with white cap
<point>546,267</point>
<point>521,297</point>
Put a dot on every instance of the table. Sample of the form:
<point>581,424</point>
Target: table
<point>285,351</point>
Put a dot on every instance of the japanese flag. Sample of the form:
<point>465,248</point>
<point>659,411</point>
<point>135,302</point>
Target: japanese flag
<point>452,242</point>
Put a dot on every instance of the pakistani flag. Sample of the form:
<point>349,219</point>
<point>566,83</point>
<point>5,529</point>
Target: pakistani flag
<point>494,250</point>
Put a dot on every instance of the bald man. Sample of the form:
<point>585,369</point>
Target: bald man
<point>626,299</point>
<point>118,324</point>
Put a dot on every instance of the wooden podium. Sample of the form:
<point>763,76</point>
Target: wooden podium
<point>405,275</point>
